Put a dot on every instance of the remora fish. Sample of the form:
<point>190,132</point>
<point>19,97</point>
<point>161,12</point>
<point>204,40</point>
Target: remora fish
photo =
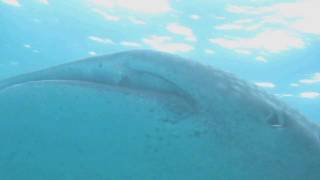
<point>149,115</point>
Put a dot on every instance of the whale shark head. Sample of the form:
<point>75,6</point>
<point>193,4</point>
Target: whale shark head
<point>201,123</point>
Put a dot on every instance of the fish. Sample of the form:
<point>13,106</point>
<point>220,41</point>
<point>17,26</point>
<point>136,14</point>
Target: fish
<point>143,114</point>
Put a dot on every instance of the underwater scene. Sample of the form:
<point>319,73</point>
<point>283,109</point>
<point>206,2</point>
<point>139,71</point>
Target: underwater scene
<point>159,90</point>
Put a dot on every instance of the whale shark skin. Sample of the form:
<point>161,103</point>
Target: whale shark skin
<point>149,115</point>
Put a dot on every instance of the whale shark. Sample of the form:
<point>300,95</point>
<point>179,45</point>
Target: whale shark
<point>144,115</point>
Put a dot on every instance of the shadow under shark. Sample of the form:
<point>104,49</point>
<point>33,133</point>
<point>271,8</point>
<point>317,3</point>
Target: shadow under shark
<point>149,115</point>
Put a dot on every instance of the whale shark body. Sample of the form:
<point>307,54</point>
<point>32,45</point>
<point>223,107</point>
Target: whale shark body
<point>149,115</point>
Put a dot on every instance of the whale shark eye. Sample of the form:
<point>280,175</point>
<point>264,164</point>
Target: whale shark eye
<point>275,120</point>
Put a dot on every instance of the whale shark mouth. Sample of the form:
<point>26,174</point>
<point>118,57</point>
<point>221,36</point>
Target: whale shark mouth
<point>130,81</point>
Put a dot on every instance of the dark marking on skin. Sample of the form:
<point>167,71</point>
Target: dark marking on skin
<point>276,120</point>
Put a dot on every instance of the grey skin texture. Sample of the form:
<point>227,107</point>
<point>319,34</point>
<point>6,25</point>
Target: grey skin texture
<point>208,124</point>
